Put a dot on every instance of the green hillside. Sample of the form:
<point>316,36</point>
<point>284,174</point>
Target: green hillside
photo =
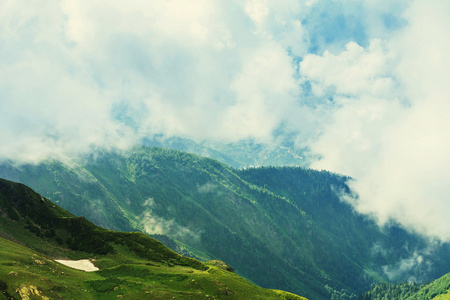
<point>438,289</point>
<point>34,231</point>
<point>354,241</point>
<point>199,202</point>
<point>283,228</point>
<point>241,154</point>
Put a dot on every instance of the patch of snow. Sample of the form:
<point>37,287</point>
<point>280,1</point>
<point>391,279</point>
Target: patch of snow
<point>82,264</point>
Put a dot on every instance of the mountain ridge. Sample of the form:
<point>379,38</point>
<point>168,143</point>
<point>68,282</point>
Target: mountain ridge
<point>132,265</point>
<point>280,227</point>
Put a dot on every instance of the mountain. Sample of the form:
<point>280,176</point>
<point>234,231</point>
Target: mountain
<point>390,252</point>
<point>438,289</point>
<point>187,145</point>
<point>283,228</point>
<point>34,231</point>
<point>242,154</point>
<point>248,153</point>
<point>198,202</point>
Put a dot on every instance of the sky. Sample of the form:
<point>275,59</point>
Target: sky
<point>362,84</point>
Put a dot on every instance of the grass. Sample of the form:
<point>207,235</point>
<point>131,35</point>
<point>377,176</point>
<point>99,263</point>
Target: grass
<point>121,275</point>
<point>34,232</point>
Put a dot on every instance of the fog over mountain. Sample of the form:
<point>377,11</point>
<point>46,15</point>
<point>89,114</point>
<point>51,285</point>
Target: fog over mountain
<point>363,85</point>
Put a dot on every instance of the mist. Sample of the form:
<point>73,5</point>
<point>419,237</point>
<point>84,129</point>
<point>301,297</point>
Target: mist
<point>391,131</point>
<point>363,85</point>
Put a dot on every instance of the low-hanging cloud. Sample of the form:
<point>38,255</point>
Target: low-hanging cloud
<point>78,76</point>
<point>416,264</point>
<point>154,224</point>
<point>403,268</point>
<point>362,84</point>
<point>390,130</point>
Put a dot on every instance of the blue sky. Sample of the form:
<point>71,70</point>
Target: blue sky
<point>362,84</point>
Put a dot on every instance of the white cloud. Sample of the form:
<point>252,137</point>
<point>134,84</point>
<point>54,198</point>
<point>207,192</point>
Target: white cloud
<point>198,69</point>
<point>353,72</point>
<point>403,268</point>
<point>258,11</point>
<point>77,75</point>
<point>390,129</point>
<point>154,224</point>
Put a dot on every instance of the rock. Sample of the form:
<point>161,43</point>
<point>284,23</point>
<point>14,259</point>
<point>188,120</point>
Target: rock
<point>221,264</point>
<point>27,292</point>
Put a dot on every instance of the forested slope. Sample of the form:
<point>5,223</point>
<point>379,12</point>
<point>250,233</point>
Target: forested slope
<point>282,228</point>
<point>34,231</point>
<point>438,289</point>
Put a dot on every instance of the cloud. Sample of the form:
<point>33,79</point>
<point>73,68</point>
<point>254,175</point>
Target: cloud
<point>154,224</point>
<point>404,268</point>
<point>79,76</point>
<point>363,84</point>
<point>354,71</point>
<point>389,128</point>
<point>48,105</point>
<point>416,263</point>
<point>74,74</point>
<point>207,188</point>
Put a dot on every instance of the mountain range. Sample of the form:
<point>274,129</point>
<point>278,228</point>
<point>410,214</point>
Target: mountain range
<point>34,231</point>
<point>242,154</point>
<point>280,227</point>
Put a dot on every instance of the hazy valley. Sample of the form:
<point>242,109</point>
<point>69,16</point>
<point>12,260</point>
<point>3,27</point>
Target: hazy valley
<point>284,228</point>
